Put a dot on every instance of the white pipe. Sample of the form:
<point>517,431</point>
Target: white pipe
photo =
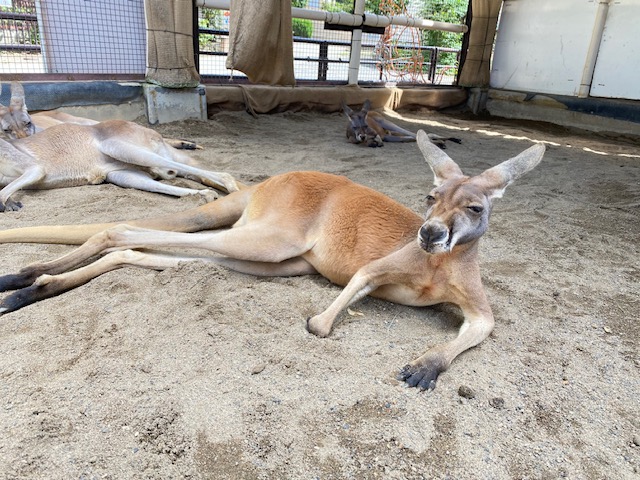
<point>353,20</point>
<point>594,47</point>
<point>356,46</point>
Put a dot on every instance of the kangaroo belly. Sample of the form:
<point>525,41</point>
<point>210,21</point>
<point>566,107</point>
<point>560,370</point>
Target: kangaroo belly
<point>71,178</point>
<point>405,295</point>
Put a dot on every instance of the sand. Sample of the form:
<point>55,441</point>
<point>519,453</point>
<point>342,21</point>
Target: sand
<point>199,372</point>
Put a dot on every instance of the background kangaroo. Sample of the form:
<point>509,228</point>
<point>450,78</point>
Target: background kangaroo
<point>373,129</point>
<point>17,122</point>
<point>307,223</point>
<point>115,151</point>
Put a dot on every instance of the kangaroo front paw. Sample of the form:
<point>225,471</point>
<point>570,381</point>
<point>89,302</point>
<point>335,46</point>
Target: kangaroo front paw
<point>421,376</point>
<point>10,206</point>
<point>208,195</point>
<point>318,327</point>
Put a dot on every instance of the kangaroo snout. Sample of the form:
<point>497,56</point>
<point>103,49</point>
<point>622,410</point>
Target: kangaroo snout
<point>433,237</point>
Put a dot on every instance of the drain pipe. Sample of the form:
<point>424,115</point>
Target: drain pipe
<point>356,46</point>
<point>594,47</point>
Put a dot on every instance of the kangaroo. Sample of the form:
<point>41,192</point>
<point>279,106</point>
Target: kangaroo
<point>17,122</point>
<point>118,152</point>
<point>373,129</point>
<point>303,223</point>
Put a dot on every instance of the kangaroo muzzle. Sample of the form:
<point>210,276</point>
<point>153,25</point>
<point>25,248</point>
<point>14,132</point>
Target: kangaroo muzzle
<point>433,237</point>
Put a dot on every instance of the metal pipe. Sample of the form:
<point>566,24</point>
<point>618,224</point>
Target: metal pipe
<point>594,47</point>
<point>356,46</point>
<point>353,20</point>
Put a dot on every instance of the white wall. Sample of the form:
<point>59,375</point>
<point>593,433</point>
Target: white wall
<point>617,72</point>
<point>542,46</point>
<point>80,36</point>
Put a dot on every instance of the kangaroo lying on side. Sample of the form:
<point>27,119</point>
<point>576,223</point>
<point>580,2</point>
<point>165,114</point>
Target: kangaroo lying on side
<point>372,129</point>
<point>71,151</point>
<point>303,223</point>
<point>119,152</point>
<point>17,122</point>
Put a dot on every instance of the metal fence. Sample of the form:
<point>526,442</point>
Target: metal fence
<point>72,39</point>
<point>80,39</point>
<point>393,54</point>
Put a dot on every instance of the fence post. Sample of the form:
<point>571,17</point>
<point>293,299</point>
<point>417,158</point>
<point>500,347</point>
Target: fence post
<point>356,46</point>
<point>323,64</point>
<point>170,56</point>
<point>433,64</point>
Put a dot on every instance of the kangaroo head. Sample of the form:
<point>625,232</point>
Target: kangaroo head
<point>459,206</point>
<point>358,120</point>
<point>15,119</point>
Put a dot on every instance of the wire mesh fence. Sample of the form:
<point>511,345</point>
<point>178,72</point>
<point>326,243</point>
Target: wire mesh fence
<point>72,38</point>
<point>80,39</point>
<point>394,54</point>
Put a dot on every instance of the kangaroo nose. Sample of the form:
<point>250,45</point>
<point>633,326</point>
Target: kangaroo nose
<point>431,234</point>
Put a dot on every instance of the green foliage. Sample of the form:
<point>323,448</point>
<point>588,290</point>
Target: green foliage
<point>451,11</point>
<point>370,6</point>
<point>302,28</point>
<point>208,18</point>
<point>20,31</point>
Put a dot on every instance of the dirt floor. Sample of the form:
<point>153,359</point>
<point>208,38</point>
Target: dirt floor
<point>199,372</point>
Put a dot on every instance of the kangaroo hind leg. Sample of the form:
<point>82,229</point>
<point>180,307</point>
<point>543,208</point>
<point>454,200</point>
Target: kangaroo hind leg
<point>396,133</point>
<point>142,181</point>
<point>47,286</point>
<point>129,152</point>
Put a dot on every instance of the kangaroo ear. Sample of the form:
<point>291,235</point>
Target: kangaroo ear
<point>442,166</point>
<point>345,108</point>
<point>366,106</point>
<point>17,96</point>
<point>497,178</point>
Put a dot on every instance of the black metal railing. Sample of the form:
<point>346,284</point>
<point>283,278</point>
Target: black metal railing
<point>434,69</point>
<point>14,24</point>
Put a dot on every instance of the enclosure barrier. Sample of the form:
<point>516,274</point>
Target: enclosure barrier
<point>356,20</point>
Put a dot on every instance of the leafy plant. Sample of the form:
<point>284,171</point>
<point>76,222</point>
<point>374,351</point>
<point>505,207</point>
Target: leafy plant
<point>370,6</point>
<point>208,18</point>
<point>451,11</point>
<point>301,27</point>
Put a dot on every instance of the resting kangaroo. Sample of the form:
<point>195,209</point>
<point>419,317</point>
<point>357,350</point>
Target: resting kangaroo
<point>372,129</point>
<point>17,122</point>
<point>308,223</point>
<point>115,151</point>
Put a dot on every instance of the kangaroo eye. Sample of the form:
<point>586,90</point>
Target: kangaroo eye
<point>475,208</point>
<point>430,198</point>
<point>28,124</point>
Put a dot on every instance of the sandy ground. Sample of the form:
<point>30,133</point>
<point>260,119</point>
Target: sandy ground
<point>198,372</point>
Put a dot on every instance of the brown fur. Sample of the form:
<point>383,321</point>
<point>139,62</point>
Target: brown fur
<point>85,152</point>
<point>373,129</point>
<point>17,122</point>
<point>309,222</point>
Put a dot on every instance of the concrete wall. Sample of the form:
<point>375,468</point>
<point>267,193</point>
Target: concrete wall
<point>563,47</point>
<point>569,62</point>
<point>105,100</point>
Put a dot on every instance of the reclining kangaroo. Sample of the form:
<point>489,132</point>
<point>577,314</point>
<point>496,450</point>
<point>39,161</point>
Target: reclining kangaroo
<point>308,223</point>
<point>17,122</point>
<point>372,129</point>
<point>116,151</point>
